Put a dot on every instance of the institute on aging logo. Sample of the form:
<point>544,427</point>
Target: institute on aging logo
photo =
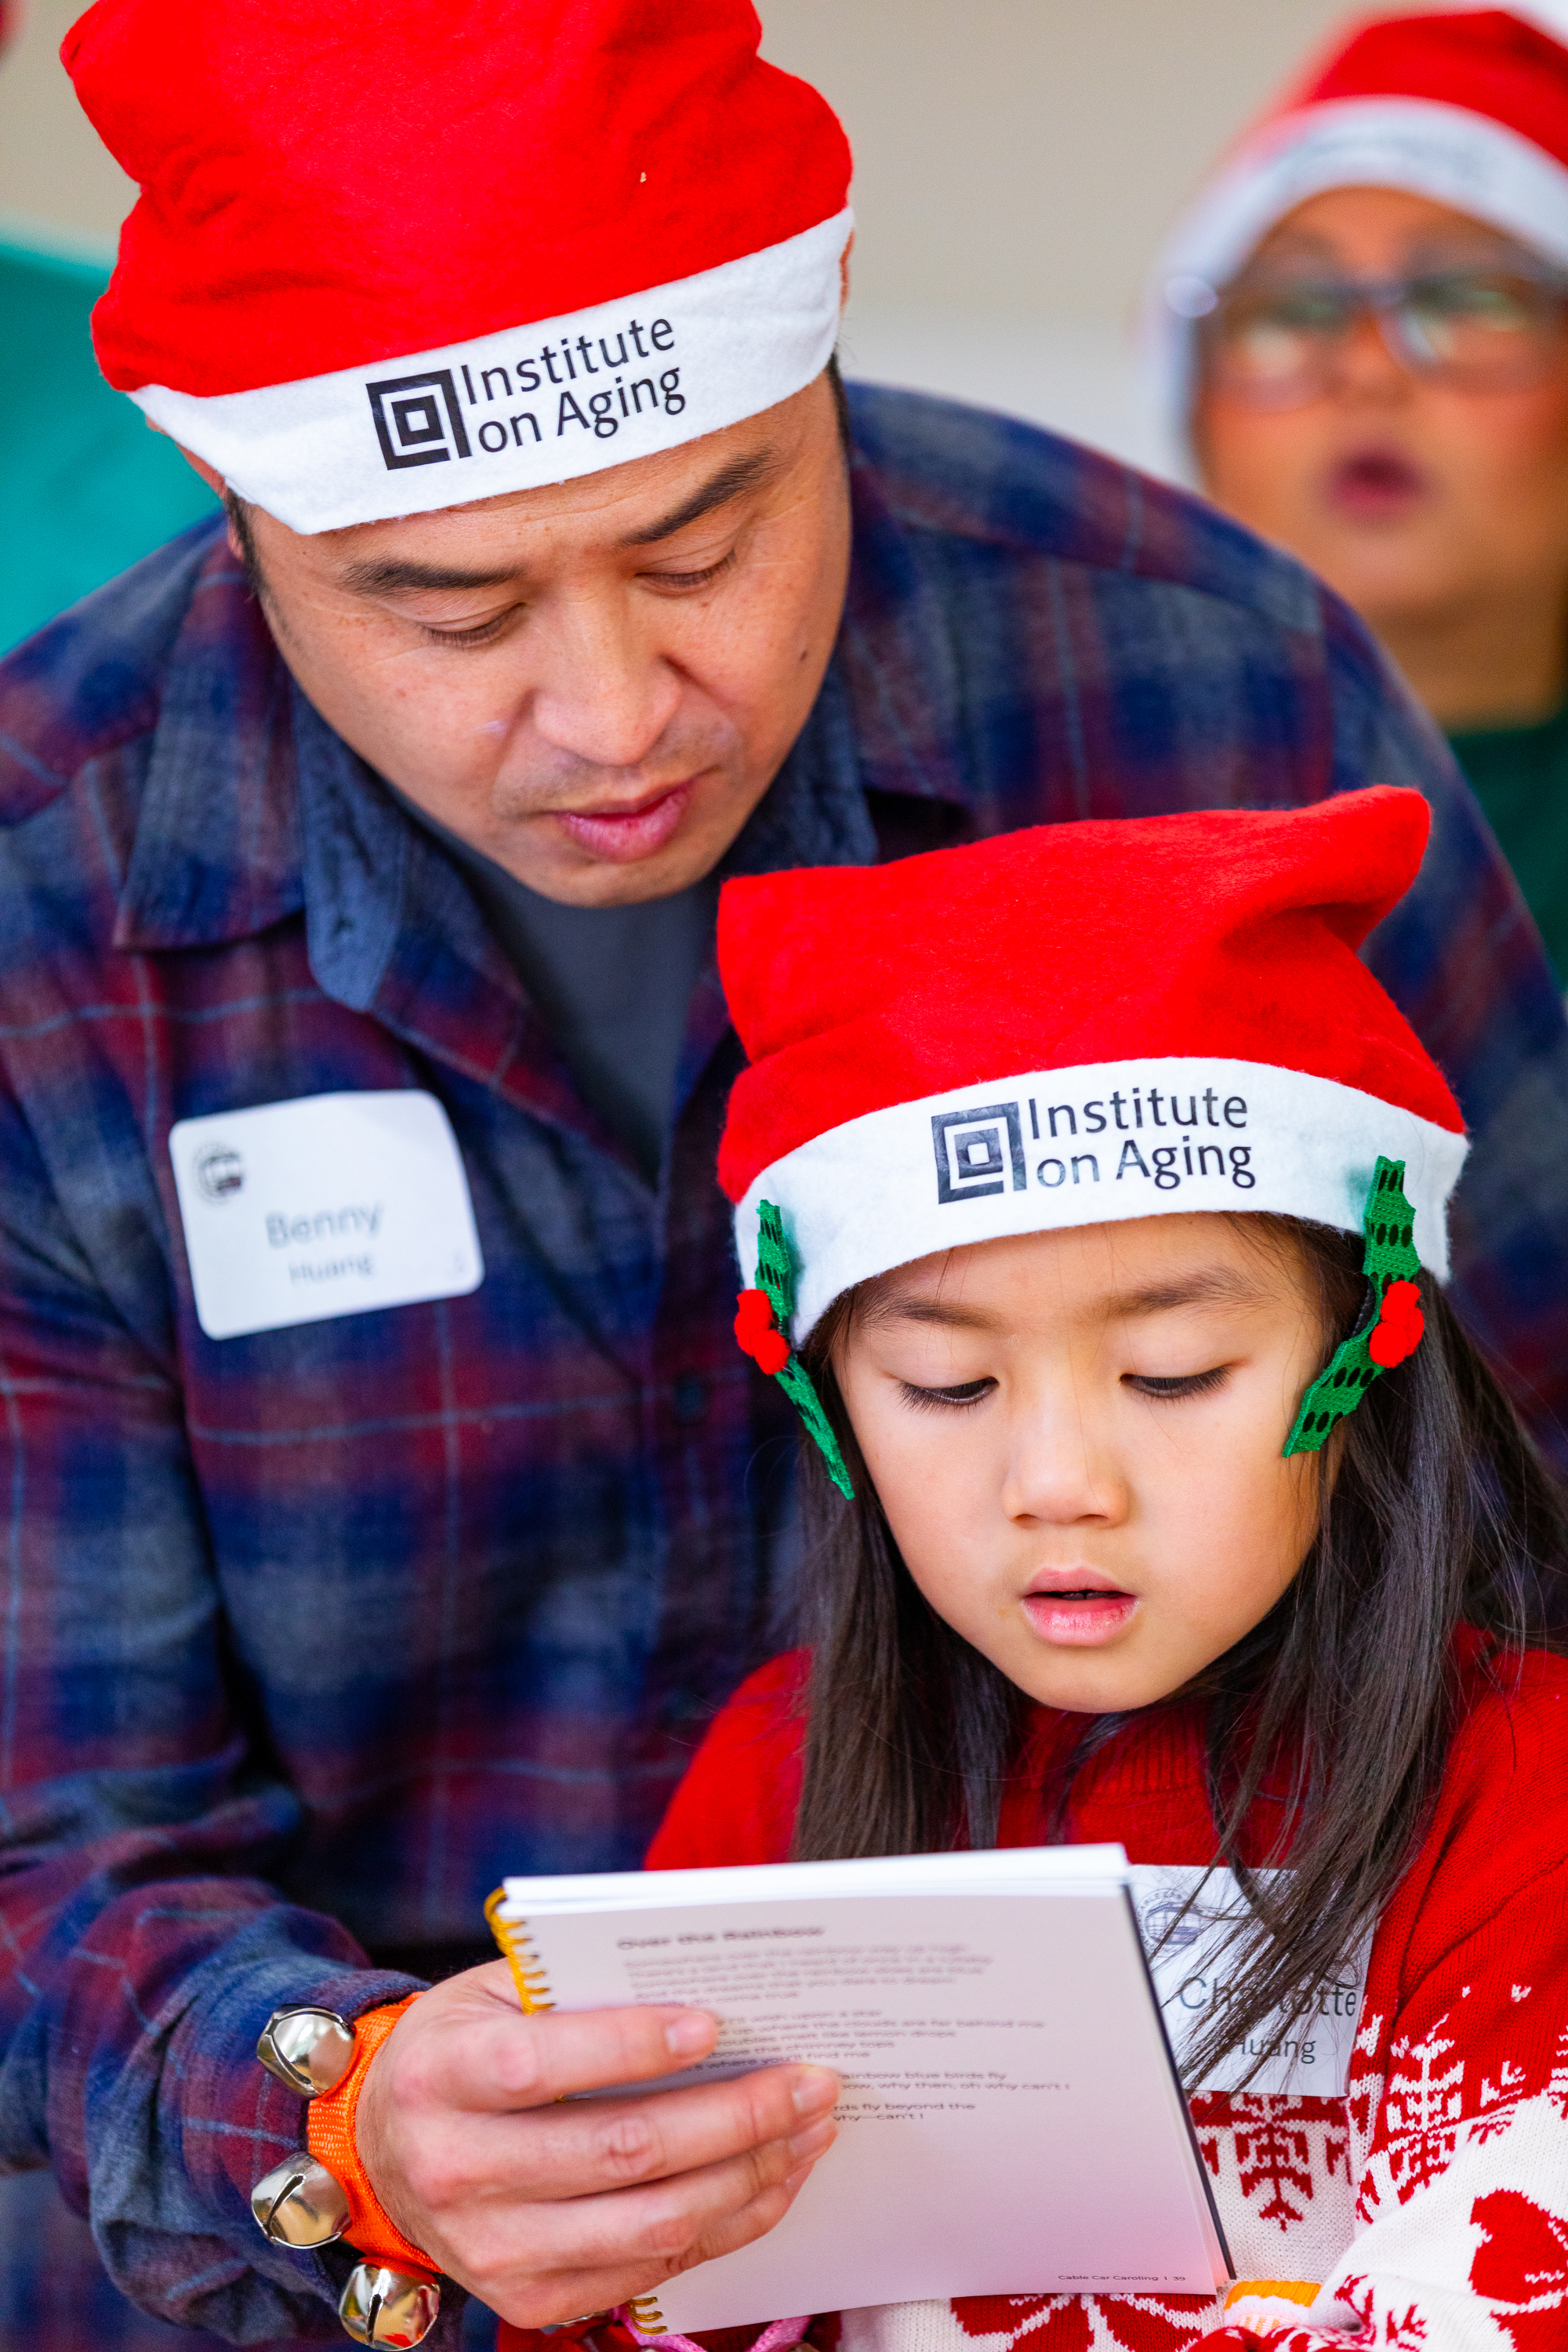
<point>417,419</point>
<point>978,1150</point>
<point>1157,1134</point>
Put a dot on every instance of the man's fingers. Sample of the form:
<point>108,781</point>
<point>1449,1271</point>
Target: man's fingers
<point>490,2058</point>
<point>589,2146</point>
<point>548,2161</point>
<point>609,2249</point>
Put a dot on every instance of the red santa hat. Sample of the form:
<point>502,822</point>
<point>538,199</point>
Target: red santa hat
<point>394,261</point>
<point>1073,1025</point>
<point>1469,108</point>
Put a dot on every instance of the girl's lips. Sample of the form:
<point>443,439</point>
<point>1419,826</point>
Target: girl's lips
<point>621,837</point>
<point>1079,1621</point>
<point>1376,483</point>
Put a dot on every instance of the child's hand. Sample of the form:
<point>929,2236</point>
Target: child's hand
<point>550,2211</point>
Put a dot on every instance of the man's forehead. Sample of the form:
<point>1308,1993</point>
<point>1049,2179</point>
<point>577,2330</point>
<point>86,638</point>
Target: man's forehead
<point>494,540</point>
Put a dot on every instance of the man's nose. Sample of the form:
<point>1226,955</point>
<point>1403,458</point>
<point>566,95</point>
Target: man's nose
<point>604,693</point>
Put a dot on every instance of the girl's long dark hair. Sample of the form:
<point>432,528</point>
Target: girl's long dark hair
<point>1329,1722</point>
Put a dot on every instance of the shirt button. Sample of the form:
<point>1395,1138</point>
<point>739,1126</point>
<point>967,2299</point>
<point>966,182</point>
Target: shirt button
<point>690,1398</point>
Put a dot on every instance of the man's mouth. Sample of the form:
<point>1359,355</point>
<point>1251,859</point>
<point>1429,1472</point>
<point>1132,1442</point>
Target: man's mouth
<point>623,835</point>
<point>1076,1615</point>
<point>1373,485</point>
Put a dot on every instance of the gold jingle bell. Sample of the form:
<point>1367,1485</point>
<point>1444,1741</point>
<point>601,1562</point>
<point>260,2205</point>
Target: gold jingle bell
<point>298,2203</point>
<point>309,2051</point>
<point>385,2307</point>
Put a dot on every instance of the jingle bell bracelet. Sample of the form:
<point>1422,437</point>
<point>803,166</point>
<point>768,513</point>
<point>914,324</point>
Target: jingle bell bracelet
<point>304,2204</point>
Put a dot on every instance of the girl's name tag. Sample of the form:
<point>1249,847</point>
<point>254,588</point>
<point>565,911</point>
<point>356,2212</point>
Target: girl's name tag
<point>1306,2056</point>
<point>332,1204</point>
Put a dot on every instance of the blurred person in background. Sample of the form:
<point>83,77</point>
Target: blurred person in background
<point>1364,329</point>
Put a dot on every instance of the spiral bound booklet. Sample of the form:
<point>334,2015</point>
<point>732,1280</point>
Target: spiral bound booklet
<point>1011,2121</point>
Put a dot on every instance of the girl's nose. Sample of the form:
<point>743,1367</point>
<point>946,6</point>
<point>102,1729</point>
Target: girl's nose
<point>1061,1471</point>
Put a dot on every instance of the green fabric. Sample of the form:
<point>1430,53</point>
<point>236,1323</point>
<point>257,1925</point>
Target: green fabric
<point>86,488</point>
<point>775,1280</point>
<point>1388,1223</point>
<point>1519,775</point>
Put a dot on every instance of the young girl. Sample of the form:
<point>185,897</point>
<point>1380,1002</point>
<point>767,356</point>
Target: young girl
<point>1157,1496</point>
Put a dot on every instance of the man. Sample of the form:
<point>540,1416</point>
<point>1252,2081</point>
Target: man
<point>389,1503</point>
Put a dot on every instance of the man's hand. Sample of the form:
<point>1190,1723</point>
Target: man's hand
<point>547,2212</point>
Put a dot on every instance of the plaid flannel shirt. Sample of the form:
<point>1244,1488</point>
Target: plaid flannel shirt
<point>313,1633</point>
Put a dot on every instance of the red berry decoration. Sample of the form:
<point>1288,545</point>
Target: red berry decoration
<point>755,1330</point>
<point>1397,1331</point>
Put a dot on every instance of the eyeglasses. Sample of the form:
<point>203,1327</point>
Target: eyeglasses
<point>1279,345</point>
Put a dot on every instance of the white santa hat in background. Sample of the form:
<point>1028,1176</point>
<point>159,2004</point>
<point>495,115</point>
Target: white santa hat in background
<point>1467,107</point>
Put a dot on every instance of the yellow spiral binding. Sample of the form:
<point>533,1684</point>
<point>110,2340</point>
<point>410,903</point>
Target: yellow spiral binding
<point>645,2310</point>
<point>527,1969</point>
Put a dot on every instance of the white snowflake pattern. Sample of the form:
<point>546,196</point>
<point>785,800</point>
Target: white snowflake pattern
<point>1424,2109</point>
<point>1369,2036</point>
<point>1557,2080</point>
<point>1509,2087</point>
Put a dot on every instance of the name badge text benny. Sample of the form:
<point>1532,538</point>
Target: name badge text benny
<point>331,1205</point>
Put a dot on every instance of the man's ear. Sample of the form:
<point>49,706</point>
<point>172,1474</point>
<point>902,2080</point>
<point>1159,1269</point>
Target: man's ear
<point>844,273</point>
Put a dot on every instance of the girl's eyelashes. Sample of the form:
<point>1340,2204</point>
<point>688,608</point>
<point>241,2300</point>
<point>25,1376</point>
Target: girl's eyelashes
<point>965,1393</point>
<point>1185,1384</point>
<point>1149,1384</point>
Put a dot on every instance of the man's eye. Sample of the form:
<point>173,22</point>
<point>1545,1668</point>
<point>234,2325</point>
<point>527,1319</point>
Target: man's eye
<point>965,1393</point>
<point>688,580</point>
<point>482,634</point>
<point>1185,1384</point>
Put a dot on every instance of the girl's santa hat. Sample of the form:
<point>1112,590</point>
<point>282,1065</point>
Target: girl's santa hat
<point>1469,108</point>
<point>394,259</point>
<point>1073,1025</point>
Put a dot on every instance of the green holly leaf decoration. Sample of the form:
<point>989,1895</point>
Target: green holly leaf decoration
<point>1388,1225</point>
<point>776,1264</point>
<point>776,1281</point>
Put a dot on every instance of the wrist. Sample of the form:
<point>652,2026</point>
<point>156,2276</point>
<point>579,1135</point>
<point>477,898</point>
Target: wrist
<point>392,2295</point>
<point>331,2136</point>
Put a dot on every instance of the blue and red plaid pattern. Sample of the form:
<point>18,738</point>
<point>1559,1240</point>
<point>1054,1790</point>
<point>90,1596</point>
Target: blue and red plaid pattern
<point>312,1635</point>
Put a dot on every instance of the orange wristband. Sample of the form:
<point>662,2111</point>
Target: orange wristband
<point>329,2134</point>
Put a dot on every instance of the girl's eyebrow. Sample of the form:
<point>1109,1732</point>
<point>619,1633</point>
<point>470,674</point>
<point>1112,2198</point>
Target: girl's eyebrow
<point>928,1310</point>
<point>1215,1286</point>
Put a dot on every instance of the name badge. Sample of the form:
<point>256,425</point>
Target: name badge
<point>332,1204</point>
<point>1308,2056</point>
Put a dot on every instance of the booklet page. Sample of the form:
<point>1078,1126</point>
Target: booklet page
<point>1010,2121</point>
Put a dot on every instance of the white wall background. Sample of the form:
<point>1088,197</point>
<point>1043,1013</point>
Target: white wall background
<point>1017,162</point>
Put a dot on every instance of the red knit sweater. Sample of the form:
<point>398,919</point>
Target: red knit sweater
<point>1428,2208</point>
